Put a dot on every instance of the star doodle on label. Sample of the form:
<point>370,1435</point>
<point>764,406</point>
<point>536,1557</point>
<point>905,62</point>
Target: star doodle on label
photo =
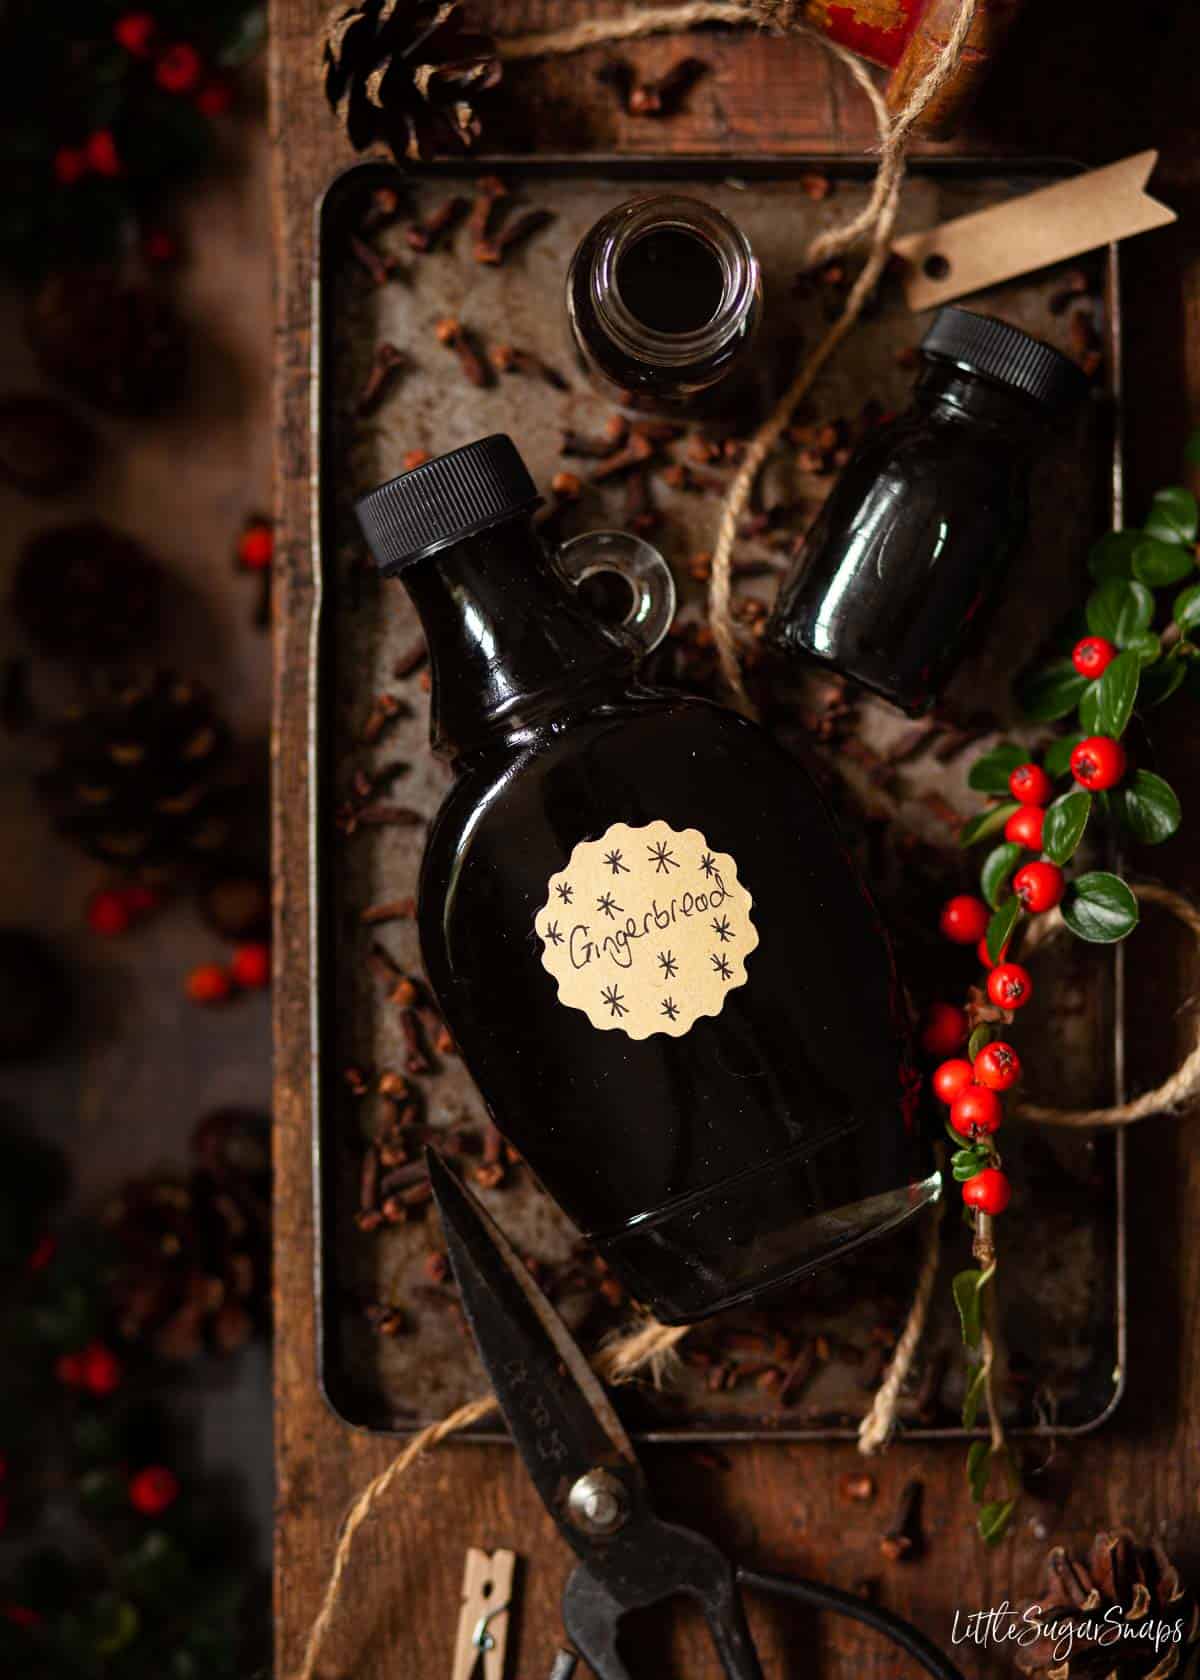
<point>565,892</point>
<point>722,929</point>
<point>609,905</point>
<point>552,933</point>
<point>670,1009</point>
<point>709,864</point>
<point>612,997</point>
<point>613,860</point>
<point>721,965</point>
<point>662,858</point>
<point>668,964</point>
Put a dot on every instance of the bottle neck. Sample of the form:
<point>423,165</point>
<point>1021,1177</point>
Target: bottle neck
<point>970,396</point>
<point>510,642</point>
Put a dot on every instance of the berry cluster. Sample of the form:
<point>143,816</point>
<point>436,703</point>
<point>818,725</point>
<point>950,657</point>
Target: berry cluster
<point>249,971</point>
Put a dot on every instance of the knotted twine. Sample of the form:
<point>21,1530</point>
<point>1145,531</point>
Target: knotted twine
<point>649,1350</point>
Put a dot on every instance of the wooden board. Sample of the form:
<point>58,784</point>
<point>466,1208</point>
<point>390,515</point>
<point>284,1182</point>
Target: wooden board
<point>777,1506</point>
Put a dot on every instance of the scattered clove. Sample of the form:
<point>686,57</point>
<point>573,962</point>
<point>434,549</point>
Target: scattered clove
<point>425,236</point>
<point>661,96</point>
<point>394,910</point>
<point>493,249</point>
<point>385,365</point>
<point>489,190</point>
<point>387,1321</point>
<point>506,359</point>
<point>379,267</point>
<point>385,709</point>
<point>856,1487</point>
<point>451,333</point>
<point>416,1060</point>
<point>350,818</point>
<point>637,451</point>
<point>412,660</point>
<point>903,1538</point>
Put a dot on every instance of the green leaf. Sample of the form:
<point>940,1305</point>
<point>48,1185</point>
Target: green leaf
<point>1119,609</point>
<point>968,1289</point>
<point>970,1412</point>
<point>1161,680</point>
<point>990,773</point>
<point>1100,908</point>
<point>979,1038</point>
<point>1112,556</point>
<point>986,822</point>
<point>1148,806</point>
<point>1159,563</point>
<point>1050,691</point>
<point>1173,516</point>
<point>979,1455</point>
<point>1056,760</point>
<point>997,867</point>
<point>1089,709</point>
<point>1186,608</point>
<point>994,1520</point>
<point>999,929</point>
<point>965,1163</point>
<point>1147,646</point>
<point>1117,693</point>
<point>1065,822</point>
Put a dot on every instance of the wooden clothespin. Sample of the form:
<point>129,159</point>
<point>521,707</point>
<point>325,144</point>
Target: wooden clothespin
<point>481,1644</point>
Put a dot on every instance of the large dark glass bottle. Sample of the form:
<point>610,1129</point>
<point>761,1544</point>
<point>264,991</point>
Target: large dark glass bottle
<point>658,962</point>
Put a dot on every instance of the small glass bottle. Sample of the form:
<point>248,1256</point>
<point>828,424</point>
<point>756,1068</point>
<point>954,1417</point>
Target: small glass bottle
<point>646,935</point>
<point>911,549</point>
<point>664,298</point>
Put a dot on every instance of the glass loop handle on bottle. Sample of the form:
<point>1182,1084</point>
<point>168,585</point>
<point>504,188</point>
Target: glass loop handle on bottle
<point>598,557</point>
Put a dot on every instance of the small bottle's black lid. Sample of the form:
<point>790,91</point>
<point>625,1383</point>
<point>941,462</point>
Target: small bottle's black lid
<point>444,500</point>
<point>986,346</point>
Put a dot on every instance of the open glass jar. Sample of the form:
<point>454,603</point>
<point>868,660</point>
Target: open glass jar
<point>664,298</point>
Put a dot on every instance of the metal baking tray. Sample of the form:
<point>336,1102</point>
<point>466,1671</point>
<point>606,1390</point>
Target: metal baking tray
<point>1063,1262</point>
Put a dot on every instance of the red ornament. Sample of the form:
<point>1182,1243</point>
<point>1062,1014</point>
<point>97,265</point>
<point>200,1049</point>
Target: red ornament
<point>135,31</point>
<point>108,914</point>
<point>256,545</point>
<point>988,1192</point>
<point>102,155</point>
<point>1093,655</point>
<point>1009,986</point>
<point>1098,763</point>
<point>210,983</point>
<point>964,919</point>
<point>179,68</point>
<point>251,966</point>
<point>945,1029</point>
<point>977,1110</point>
<point>159,246</point>
<point>1025,827</point>
<point>1030,784</point>
<point>1039,886</point>
<point>70,165</point>
<point>951,1079</point>
<point>215,97</point>
<point>998,1066</point>
<point>153,1490</point>
<point>101,1369</point>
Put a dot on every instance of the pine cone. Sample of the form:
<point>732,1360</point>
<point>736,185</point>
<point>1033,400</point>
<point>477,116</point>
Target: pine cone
<point>121,347</point>
<point>87,593</point>
<point>1122,1588</point>
<point>192,1267</point>
<point>140,782</point>
<point>45,450</point>
<point>405,72</point>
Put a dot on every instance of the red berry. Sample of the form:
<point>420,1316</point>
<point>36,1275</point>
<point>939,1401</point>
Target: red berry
<point>964,919</point>
<point>951,1079</point>
<point>976,1110</point>
<point>20,1615</point>
<point>68,1368</point>
<point>1039,886</point>
<point>1092,656</point>
<point>210,983</point>
<point>108,914</point>
<point>1009,986</point>
<point>945,1029</point>
<point>998,1066</point>
<point>215,97</point>
<point>101,1369</point>
<point>1030,784</point>
<point>139,899</point>
<point>251,965</point>
<point>134,31</point>
<point>256,545</point>
<point>153,1490</point>
<point>1025,827</point>
<point>159,246</point>
<point>1098,763</point>
<point>70,165</point>
<point>988,1192</point>
<point>102,154</point>
<point>981,951</point>
<point>179,68</point>
<point>44,1251</point>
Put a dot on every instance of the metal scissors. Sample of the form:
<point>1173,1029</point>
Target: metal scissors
<point>584,1467</point>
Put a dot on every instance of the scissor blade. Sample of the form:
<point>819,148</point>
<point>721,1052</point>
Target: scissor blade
<point>557,1411</point>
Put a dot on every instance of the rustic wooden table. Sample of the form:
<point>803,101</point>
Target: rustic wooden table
<point>1073,85</point>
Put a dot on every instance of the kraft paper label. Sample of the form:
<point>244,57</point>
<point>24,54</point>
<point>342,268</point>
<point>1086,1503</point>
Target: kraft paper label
<point>646,929</point>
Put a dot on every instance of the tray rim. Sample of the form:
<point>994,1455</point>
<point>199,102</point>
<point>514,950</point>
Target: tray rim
<point>700,166</point>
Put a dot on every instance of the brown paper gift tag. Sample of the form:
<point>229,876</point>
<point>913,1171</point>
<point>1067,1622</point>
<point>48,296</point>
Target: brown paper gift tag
<point>974,252</point>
